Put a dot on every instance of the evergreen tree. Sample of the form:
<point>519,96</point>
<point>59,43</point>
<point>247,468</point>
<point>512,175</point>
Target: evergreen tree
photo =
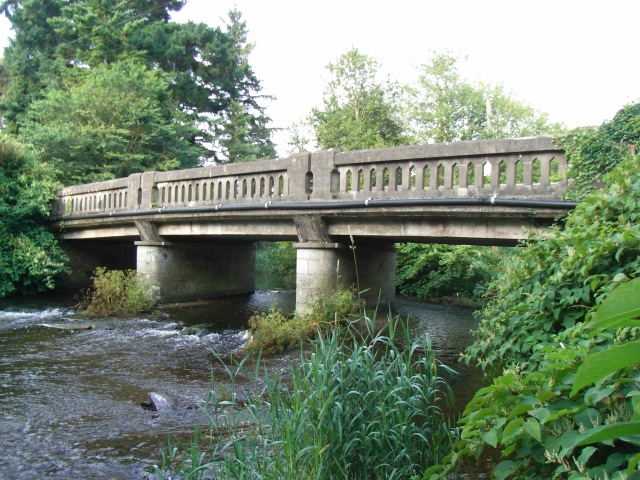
<point>29,65</point>
<point>205,71</point>
<point>108,122</point>
<point>241,130</point>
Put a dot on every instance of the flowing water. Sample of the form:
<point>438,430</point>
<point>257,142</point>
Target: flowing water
<point>70,398</point>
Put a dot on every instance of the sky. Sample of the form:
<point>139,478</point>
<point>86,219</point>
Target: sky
<point>576,60</point>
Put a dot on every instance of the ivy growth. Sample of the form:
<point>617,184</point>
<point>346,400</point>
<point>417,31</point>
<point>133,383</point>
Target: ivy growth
<point>593,152</point>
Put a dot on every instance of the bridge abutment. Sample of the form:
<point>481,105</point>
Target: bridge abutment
<point>190,271</point>
<point>323,267</point>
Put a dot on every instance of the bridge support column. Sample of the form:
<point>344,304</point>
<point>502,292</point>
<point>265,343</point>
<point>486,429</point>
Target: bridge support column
<point>323,267</point>
<point>179,272</point>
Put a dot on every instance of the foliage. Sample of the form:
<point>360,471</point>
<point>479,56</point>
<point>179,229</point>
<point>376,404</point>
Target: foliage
<point>443,107</point>
<point>108,122</point>
<point>116,293</point>
<point>593,152</point>
<point>274,332</point>
<point>27,67</point>
<point>359,111</point>
<point>30,257</point>
<point>555,279</point>
<point>276,258</point>
<point>204,70</point>
<point>432,271</point>
<point>359,406</point>
<point>241,129</point>
<point>578,415</point>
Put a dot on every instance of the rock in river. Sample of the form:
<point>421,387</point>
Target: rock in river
<point>159,402</point>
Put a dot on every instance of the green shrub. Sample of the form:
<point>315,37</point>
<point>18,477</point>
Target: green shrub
<point>577,416</point>
<point>30,257</point>
<point>275,332</point>
<point>276,258</point>
<point>115,293</point>
<point>432,271</point>
<point>359,406</point>
<point>565,402</point>
<point>554,280</point>
<point>593,152</point>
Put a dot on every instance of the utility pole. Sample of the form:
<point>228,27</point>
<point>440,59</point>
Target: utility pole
<point>489,115</point>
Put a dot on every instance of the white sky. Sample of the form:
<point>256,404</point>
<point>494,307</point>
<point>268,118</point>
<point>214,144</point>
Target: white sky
<point>577,60</point>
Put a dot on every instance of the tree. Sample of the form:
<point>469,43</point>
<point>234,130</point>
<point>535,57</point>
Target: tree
<point>241,130</point>
<point>28,65</point>
<point>443,107</point>
<point>205,69</point>
<point>432,271</point>
<point>359,111</point>
<point>108,122</point>
<point>30,257</point>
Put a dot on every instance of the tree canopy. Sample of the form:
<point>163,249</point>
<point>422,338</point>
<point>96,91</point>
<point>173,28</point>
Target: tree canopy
<point>362,111</point>
<point>359,111</point>
<point>108,122</point>
<point>444,107</point>
<point>194,78</point>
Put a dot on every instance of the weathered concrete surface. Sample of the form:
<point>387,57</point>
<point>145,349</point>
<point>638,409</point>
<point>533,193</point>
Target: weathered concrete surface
<point>324,267</point>
<point>532,168</point>
<point>187,271</point>
<point>192,227</point>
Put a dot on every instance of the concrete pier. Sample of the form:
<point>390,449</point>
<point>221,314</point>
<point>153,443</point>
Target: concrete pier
<point>187,271</point>
<point>323,267</point>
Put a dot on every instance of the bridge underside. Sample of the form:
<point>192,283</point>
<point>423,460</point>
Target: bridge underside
<point>210,254</point>
<point>501,226</point>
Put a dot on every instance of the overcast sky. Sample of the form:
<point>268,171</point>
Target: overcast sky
<point>577,60</point>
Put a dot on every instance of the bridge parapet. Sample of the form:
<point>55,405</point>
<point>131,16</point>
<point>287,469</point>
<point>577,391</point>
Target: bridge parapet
<point>528,168</point>
<point>514,168</point>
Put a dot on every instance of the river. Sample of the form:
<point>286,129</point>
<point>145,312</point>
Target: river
<point>70,400</point>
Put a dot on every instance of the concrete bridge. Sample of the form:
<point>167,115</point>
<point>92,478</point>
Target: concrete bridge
<point>192,233</point>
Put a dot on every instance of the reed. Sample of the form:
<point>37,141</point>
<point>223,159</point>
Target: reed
<point>360,404</point>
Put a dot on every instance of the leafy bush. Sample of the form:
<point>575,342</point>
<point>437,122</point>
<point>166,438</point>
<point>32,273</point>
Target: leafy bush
<point>30,256</point>
<point>593,152</point>
<point>275,332</point>
<point>555,279</point>
<point>276,258</point>
<point>359,406</point>
<point>578,415</point>
<point>432,271</point>
<point>116,292</point>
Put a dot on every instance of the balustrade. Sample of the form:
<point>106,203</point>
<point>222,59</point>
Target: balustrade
<point>516,168</point>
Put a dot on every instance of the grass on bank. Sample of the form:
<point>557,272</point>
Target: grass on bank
<point>115,293</point>
<point>358,405</point>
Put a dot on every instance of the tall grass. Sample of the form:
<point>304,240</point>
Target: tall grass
<point>360,405</point>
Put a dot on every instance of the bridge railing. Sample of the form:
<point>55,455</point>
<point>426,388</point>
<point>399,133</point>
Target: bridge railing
<point>531,167</point>
<point>513,168</point>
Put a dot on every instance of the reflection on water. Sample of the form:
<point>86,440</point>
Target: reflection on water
<point>70,399</point>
